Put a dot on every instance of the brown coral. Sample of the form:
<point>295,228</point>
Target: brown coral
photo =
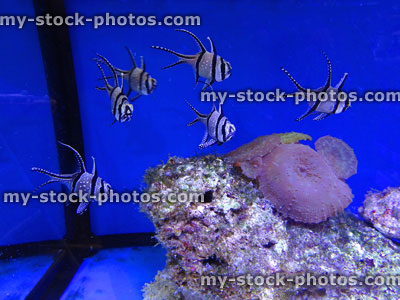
<point>299,182</point>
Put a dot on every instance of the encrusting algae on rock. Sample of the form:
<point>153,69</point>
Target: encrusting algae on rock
<point>236,231</point>
<point>382,210</point>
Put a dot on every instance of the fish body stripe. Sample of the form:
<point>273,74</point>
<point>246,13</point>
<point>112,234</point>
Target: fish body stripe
<point>130,74</point>
<point>347,104</point>
<point>76,180</point>
<point>198,66</point>
<point>124,100</point>
<point>111,91</point>
<point>217,127</point>
<point>220,130</point>
<point>213,67</point>
<point>116,102</point>
<point>141,79</point>
<point>147,84</point>
<point>229,68</point>
<point>337,104</point>
<point>224,130</point>
<point>101,186</point>
<point>93,183</point>
<point>222,69</point>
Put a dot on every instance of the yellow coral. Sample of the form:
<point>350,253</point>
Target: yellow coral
<point>294,137</point>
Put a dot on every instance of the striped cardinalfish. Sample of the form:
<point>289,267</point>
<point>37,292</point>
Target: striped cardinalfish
<point>331,104</point>
<point>138,79</point>
<point>206,64</point>
<point>218,128</point>
<point>120,106</point>
<point>80,182</point>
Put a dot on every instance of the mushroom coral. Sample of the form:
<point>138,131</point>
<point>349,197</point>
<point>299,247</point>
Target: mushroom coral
<point>301,183</point>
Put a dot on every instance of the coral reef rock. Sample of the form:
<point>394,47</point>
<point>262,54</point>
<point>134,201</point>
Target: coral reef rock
<point>235,232</point>
<point>306,185</point>
<point>382,209</point>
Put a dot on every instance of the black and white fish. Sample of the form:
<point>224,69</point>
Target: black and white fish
<point>331,104</point>
<point>120,107</point>
<point>138,79</point>
<point>206,64</point>
<point>218,128</point>
<point>82,181</point>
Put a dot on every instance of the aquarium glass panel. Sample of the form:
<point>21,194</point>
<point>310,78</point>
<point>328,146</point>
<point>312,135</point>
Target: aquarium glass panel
<point>27,134</point>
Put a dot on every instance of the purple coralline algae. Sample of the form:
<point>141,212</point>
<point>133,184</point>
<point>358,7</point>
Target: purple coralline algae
<point>235,231</point>
<point>382,210</point>
<point>339,156</point>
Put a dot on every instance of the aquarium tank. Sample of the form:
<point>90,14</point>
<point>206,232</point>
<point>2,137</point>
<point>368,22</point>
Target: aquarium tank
<point>199,150</point>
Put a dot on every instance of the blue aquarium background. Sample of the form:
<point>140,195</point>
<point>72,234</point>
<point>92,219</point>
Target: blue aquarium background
<point>361,38</point>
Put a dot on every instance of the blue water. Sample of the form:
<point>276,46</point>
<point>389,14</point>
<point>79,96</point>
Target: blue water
<point>257,38</point>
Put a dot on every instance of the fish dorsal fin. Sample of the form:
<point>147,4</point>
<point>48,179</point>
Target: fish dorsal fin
<point>328,81</point>
<point>213,49</point>
<point>203,49</point>
<point>143,64</point>
<point>78,156</point>
<point>220,108</point>
<point>298,86</point>
<point>104,78</point>
<point>109,65</point>
<point>132,58</point>
<point>339,86</point>
<point>94,170</point>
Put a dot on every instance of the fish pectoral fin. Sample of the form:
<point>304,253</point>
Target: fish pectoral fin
<point>207,144</point>
<point>174,64</point>
<point>208,84</point>
<point>82,208</point>
<point>205,137</point>
<point>306,114</point>
<point>134,98</point>
<point>321,116</point>
<point>194,121</point>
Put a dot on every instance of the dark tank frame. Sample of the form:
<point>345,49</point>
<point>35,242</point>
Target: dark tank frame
<point>79,242</point>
